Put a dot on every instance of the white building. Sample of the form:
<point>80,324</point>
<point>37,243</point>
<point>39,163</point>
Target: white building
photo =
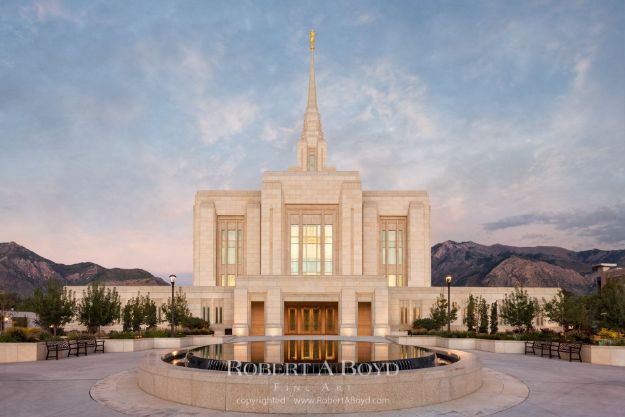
<point>311,252</point>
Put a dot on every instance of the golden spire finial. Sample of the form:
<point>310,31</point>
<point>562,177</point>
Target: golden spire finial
<point>312,39</point>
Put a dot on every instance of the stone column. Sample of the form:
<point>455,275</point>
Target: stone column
<point>241,325</point>
<point>252,240</point>
<point>370,238</point>
<point>273,313</point>
<point>349,311</point>
<point>204,224</point>
<point>419,272</point>
<point>380,312</point>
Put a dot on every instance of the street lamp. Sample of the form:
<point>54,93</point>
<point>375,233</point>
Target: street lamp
<point>172,279</point>
<point>448,281</point>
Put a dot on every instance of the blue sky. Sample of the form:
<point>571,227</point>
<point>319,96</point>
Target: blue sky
<point>112,114</point>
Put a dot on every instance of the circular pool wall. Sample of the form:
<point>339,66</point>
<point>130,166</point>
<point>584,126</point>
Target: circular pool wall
<point>318,393</point>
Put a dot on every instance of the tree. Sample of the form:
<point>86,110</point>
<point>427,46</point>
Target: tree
<point>469,319</point>
<point>494,320</point>
<point>567,310</point>
<point>483,313</point>
<point>610,305</point>
<point>150,317</point>
<point>100,306</point>
<point>438,311</point>
<point>55,307</point>
<point>138,311</point>
<point>518,309</point>
<point>132,314</point>
<point>180,308</point>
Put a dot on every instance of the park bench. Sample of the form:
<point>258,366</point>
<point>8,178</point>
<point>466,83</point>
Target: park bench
<point>572,349</point>
<point>553,349</point>
<point>88,342</point>
<point>54,347</point>
<point>536,346</point>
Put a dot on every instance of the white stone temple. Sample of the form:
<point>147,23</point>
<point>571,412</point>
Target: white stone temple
<point>312,253</point>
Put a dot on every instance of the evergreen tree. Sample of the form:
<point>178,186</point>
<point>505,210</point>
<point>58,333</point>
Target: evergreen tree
<point>55,306</point>
<point>438,311</point>
<point>180,308</point>
<point>610,306</point>
<point>469,320</point>
<point>519,309</point>
<point>483,313</point>
<point>100,306</point>
<point>494,320</point>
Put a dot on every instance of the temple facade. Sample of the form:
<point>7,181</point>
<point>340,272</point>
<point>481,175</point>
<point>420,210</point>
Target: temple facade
<point>312,253</point>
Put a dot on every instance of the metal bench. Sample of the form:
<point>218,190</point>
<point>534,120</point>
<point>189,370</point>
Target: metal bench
<point>87,342</point>
<point>54,347</point>
<point>572,349</point>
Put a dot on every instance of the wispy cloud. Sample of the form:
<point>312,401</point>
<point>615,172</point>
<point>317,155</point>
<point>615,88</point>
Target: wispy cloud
<point>606,224</point>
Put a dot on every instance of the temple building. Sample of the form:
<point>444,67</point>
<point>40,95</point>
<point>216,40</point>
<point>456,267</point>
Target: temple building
<point>311,252</point>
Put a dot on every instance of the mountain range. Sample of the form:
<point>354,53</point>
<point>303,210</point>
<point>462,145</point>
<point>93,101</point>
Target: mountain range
<point>469,263</point>
<point>472,264</point>
<point>22,270</point>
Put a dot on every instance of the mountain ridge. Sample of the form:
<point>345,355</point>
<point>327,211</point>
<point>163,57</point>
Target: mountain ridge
<point>22,271</point>
<point>473,264</point>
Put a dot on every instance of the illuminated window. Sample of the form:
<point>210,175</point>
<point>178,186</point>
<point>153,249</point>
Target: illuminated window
<point>311,234</point>
<point>393,250</point>
<point>230,250</point>
<point>403,311</point>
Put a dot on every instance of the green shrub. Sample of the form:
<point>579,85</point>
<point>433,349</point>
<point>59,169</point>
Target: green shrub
<point>113,334</point>
<point>16,335</point>
<point>197,332</point>
<point>195,323</point>
<point>158,333</point>
<point>427,324</point>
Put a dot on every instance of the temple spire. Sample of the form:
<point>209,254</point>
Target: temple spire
<point>312,88</point>
<point>312,149</point>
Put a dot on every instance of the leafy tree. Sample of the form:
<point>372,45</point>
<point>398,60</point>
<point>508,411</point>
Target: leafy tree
<point>494,320</point>
<point>567,310</point>
<point>610,305</point>
<point>55,306</point>
<point>132,314</point>
<point>483,313</point>
<point>180,308</point>
<point>519,309</point>
<point>150,316</point>
<point>469,319</point>
<point>138,311</point>
<point>100,306</point>
<point>438,312</point>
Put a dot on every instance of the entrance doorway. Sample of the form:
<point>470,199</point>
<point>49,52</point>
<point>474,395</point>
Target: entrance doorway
<point>257,319</point>
<point>311,318</point>
<point>364,329</point>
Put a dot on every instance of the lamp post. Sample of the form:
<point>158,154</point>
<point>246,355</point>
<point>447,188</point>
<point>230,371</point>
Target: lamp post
<point>172,279</point>
<point>448,281</point>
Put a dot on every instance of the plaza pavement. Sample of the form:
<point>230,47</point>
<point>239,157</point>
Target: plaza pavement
<point>556,388</point>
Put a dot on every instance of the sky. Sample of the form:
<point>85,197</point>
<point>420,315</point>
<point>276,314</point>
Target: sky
<point>511,114</point>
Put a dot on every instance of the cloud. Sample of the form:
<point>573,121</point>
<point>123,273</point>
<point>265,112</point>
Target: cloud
<point>605,224</point>
<point>46,10</point>
<point>222,119</point>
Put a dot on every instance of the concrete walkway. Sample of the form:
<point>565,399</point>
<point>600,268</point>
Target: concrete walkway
<point>556,388</point>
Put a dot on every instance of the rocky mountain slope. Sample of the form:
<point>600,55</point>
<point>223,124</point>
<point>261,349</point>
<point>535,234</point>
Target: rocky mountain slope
<point>472,264</point>
<point>22,270</point>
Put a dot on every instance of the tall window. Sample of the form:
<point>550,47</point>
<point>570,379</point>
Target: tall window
<point>393,250</point>
<point>230,250</point>
<point>311,234</point>
<point>403,311</point>
<point>312,160</point>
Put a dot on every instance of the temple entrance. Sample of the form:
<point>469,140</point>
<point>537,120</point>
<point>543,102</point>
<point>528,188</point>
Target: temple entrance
<point>311,318</point>
<point>257,318</point>
<point>364,329</point>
